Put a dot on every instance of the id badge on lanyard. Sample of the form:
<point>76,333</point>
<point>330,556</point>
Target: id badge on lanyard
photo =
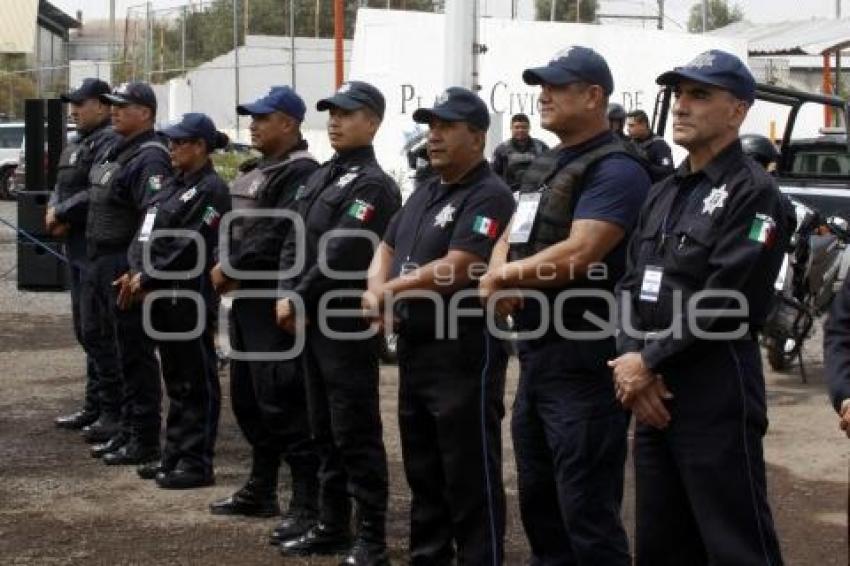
<point>523,223</point>
<point>651,286</point>
<point>147,225</point>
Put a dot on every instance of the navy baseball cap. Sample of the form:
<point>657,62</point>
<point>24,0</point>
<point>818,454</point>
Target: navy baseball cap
<point>456,104</point>
<point>279,99</point>
<point>90,88</point>
<point>353,95</point>
<point>570,65</point>
<point>194,125</point>
<point>715,68</point>
<point>132,93</point>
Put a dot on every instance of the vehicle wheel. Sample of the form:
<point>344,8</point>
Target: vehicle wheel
<point>6,176</point>
<point>776,356</point>
<point>389,349</point>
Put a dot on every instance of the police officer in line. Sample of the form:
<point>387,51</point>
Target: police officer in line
<point>576,207</point>
<point>449,226</point>
<point>267,394</point>
<point>511,158</point>
<point>761,149</point>
<point>716,225</point>
<point>617,119</point>
<point>836,355</point>
<point>194,200</point>
<point>349,192</point>
<point>123,183</point>
<point>657,151</point>
<point>66,217</point>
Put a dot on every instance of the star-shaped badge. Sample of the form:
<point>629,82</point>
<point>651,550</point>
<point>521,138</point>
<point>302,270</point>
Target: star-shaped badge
<point>715,199</point>
<point>446,215</point>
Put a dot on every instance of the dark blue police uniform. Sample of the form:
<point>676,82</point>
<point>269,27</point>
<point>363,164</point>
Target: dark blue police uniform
<point>123,183</point>
<point>70,204</point>
<point>451,390</point>
<point>700,482</point>
<point>349,192</point>
<point>512,158</point>
<point>569,431</point>
<point>836,347</point>
<point>267,395</point>
<point>196,202</point>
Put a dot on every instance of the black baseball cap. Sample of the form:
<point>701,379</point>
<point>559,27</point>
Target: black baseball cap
<point>456,104</point>
<point>571,65</point>
<point>132,93</point>
<point>88,89</point>
<point>279,99</point>
<point>194,125</point>
<point>353,95</point>
<point>716,68</point>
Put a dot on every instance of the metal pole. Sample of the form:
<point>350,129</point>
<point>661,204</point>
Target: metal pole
<point>475,47</point>
<point>236,61</point>
<point>339,28</point>
<point>292,39</point>
<point>148,42</point>
<point>316,20</point>
<point>552,10</point>
<point>838,89</point>
<point>183,40</point>
<point>578,11</point>
<point>660,14</point>
<point>704,15</point>
<point>111,41</point>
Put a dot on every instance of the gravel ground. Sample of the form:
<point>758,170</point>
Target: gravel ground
<point>59,506</point>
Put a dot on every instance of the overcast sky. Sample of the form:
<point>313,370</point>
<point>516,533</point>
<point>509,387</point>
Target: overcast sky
<point>676,10</point>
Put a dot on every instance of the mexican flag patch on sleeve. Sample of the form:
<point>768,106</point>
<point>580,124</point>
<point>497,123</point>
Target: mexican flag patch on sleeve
<point>763,230</point>
<point>486,227</point>
<point>211,217</point>
<point>361,210</point>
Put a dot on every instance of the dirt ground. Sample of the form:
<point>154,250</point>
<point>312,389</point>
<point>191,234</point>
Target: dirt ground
<point>60,506</point>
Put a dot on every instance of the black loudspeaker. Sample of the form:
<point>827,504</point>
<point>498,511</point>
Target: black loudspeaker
<point>34,178</point>
<point>39,270</point>
<point>56,138</point>
<point>32,206</point>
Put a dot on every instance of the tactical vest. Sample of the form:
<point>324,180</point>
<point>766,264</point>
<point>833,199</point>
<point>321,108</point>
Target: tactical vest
<point>112,221</point>
<point>559,190</point>
<point>246,190</point>
<point>518,162</point>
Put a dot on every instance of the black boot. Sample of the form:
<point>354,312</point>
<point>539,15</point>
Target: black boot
<point>133,453</point>
<point>254,499</point>
<point>364,553</point>
<point>321,539</point>
<point>113,444</point>
<point>303,512</point>
<point>76,421</point>
<point>101,430</point>
<point>370,546</point>
<point>149,470</point>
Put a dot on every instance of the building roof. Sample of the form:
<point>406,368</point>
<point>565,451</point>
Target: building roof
<point>54,19</point>
<point>807,37</point>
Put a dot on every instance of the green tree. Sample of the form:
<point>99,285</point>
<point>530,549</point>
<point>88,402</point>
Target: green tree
<point>565,10</point>
<point>719,15</point>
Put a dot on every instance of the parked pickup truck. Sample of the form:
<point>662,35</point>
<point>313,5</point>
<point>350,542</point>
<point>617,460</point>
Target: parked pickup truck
<point>813,170</point>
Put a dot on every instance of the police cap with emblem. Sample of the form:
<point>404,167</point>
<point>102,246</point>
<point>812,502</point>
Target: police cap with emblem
<point>90,88</point>
<point>353,95</point>
<point>456,104</point>
<point>279,99</point>
<point>572,65</point>
<point>716,68</point>
<point>196,126</point>
<point>132,93</point>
